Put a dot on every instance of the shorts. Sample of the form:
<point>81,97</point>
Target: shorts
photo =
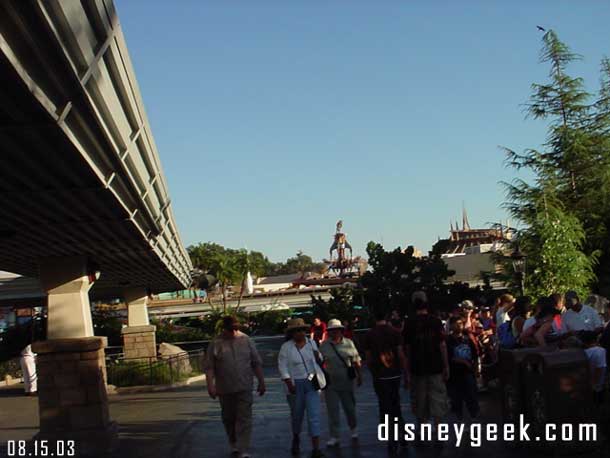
<point>429,396</point>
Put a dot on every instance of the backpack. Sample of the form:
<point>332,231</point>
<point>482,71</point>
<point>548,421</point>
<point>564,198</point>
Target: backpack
<point>505,336</point>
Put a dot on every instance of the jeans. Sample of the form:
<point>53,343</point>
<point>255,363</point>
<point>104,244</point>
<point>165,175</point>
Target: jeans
<point>305,399</point>
<point>463,390</point>
<point>237,418</point>
<point>334,400</point>
<point>388,395</point>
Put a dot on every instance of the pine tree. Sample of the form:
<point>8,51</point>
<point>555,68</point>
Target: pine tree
<point>554,246</point>
<point>561,208</point>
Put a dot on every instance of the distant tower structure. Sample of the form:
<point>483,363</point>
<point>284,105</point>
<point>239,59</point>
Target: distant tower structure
<point>342,263</point>
<point>462,238</point>
<point>465,223</point>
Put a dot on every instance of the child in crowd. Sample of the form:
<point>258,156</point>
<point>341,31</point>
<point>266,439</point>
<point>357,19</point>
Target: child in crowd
<point>597,363</point>
<point>463,363</point>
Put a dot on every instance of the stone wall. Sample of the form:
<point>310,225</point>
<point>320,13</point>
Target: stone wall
<point>72,397</point>
<point>139,342</point>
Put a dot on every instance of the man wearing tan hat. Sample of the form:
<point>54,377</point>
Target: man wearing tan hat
<point>231,360</point>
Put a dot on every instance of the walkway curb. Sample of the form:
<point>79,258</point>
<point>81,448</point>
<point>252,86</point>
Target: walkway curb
<point>12,381</point>
<point>113,390</point>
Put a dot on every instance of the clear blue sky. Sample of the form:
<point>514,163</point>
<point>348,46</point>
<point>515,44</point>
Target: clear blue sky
<point>274,119</point>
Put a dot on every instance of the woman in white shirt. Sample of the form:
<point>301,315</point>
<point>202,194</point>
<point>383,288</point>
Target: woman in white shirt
<point>505,305</point>
<point>298,364</point>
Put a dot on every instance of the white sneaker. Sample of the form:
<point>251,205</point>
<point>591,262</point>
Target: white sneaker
<point>354,433</point>
<point>332,442</point>
<point>233,448</point>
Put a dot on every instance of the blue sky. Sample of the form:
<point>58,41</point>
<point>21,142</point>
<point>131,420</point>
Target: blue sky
<point>274,119</point>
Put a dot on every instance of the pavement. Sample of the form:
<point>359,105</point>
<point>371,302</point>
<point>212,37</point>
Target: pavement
<point>185,423</point>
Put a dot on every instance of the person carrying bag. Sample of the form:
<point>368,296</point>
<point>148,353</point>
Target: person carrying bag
<point>343,367</point>
<point>304,378</point>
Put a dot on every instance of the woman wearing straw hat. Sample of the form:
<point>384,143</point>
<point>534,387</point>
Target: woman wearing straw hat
<point>299,367</point>
<point>343,365</point>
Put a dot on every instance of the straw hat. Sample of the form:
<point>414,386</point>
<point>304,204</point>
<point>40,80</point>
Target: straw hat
<point>467,304</point>
<point>334,324</point>
<point>296,323</point>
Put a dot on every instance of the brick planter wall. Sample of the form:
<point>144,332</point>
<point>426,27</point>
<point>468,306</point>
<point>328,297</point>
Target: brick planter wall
<point>139,342</point>
<point>72,397</point>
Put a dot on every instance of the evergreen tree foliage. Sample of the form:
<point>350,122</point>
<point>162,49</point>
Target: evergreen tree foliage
<point>566,206</point>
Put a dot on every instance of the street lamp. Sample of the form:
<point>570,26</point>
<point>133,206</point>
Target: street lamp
<point>518,259</point>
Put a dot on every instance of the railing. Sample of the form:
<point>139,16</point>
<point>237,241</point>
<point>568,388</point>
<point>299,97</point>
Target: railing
<point>153,371</point>
<point>159,371</point>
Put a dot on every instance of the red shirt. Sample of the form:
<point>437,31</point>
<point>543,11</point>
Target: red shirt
<point>318,331</point>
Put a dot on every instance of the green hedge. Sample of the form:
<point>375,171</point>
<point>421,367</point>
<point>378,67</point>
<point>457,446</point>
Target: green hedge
<point>133,373</point>
<point>11,367</point>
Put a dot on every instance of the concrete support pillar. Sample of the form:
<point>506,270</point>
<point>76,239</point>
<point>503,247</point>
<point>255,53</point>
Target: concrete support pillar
<point>139,339</point>
<point>137,307</point>
<point>72,397</point>
<point>67,284</point>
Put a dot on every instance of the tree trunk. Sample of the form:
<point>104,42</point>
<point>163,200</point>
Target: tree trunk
<point>241,294</point>
<point>224,300</point>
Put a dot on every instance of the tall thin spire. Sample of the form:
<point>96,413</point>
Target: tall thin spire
<point>451,225</point>
<point>465,223</point>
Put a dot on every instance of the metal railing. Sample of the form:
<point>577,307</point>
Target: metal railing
<point>123,371</point>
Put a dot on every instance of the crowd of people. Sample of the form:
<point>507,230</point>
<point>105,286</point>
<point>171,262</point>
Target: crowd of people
<point>442,358</point>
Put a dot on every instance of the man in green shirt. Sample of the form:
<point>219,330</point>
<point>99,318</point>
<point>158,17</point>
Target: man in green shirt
<point>343,365</point>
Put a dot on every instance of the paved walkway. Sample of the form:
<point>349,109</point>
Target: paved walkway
<point>185,423</point>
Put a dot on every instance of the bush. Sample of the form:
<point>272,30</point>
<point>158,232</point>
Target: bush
<point>169,332</point>
<point>134,373</point>
<point>11,367</point>
<point>270,322</point>
<point>340,305</point>
<point>108,323</point>
<point>16,338</point>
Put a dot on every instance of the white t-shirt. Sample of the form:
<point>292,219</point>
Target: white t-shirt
<point>299,364</point>
<point>586,320</point>
<point>597,359</point>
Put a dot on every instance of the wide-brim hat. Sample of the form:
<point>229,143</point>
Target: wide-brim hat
<point>296,323</point>
<point>334,324</point>
<point>467,304</point>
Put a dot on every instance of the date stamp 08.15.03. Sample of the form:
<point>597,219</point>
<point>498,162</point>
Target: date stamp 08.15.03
<point>38,448</point>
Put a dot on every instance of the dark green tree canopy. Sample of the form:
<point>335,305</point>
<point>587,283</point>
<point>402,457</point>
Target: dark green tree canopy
<point>566,205</point>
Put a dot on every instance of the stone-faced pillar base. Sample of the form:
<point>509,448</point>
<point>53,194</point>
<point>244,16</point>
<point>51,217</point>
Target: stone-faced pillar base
<point>139,342</point>
<point>72,397</point>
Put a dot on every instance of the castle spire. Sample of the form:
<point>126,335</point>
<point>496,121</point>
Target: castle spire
<point>465,223</point>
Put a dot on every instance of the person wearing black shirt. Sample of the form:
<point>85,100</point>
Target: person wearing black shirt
<point>463,362</point>
<point>385,359</point>
<point>424,338</point>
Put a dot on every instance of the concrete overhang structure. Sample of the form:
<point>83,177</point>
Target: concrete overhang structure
<point>79,169</point>
<point>82,191</point>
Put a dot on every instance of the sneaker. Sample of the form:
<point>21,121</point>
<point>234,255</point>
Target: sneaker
<point>245,455</point>
<point>234,449</point>
<point>355,434</point>
<point>332,442</point>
